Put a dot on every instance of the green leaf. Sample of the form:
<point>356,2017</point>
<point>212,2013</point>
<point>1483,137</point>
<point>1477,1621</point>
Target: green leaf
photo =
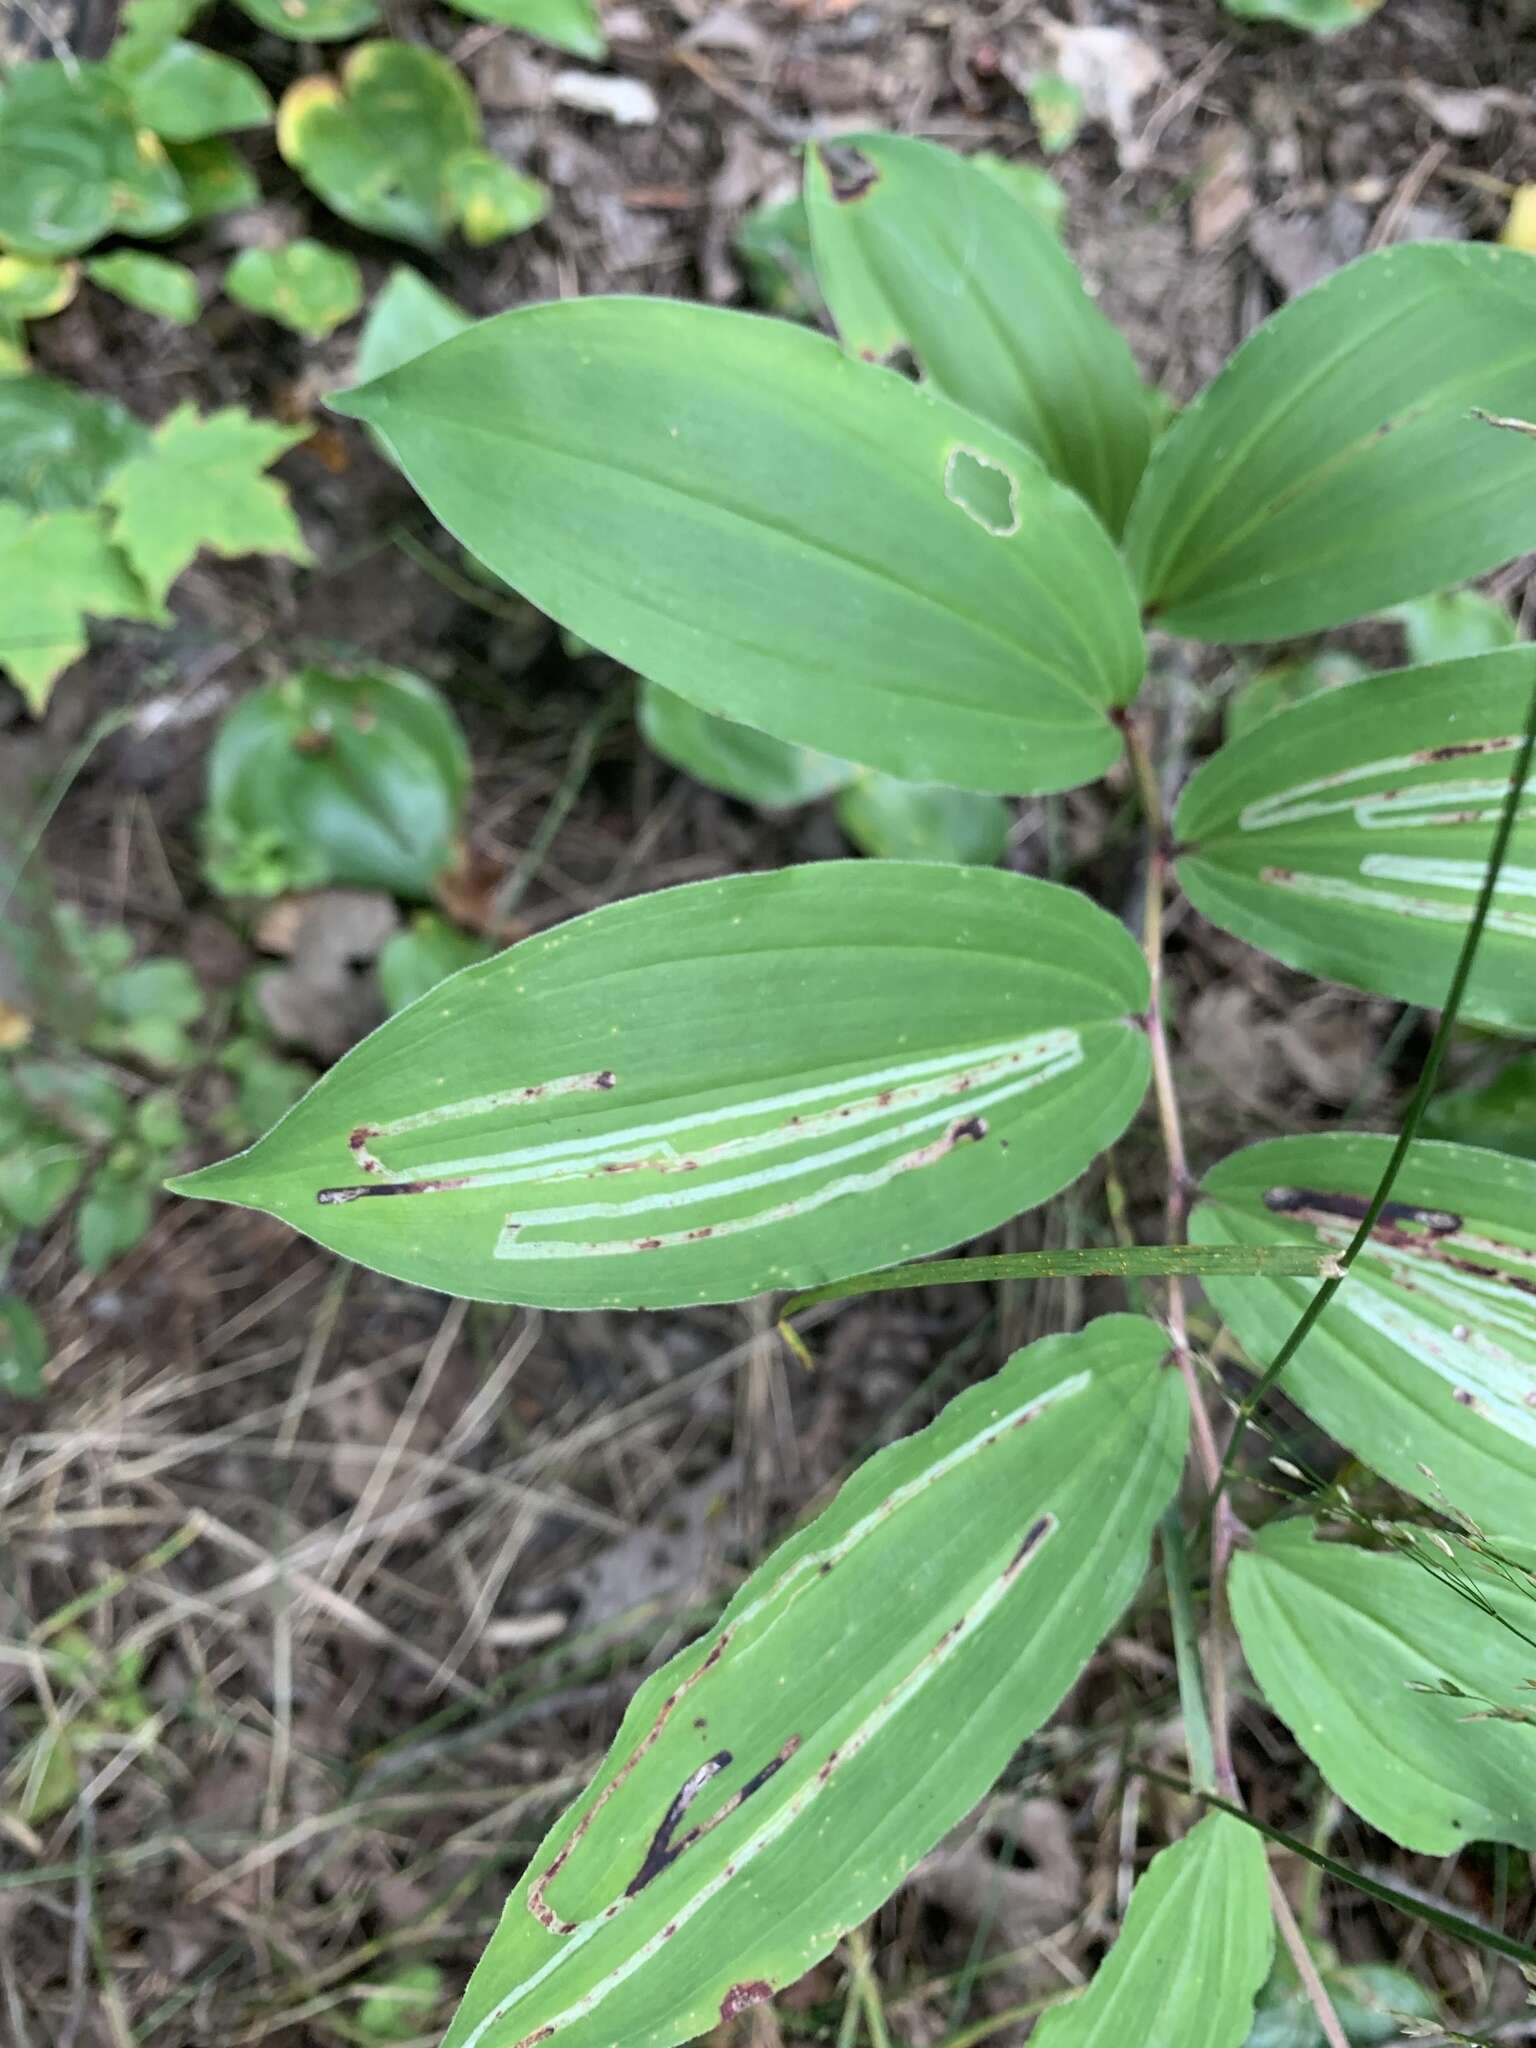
<point>489,199</point>
<point>1316,17</point>
<point>152,283</point>
<point>1454,624</point>
<point>921,250</point>
<point>379,144</point>
<point>408,317</point>
<point>266,1087</point>
<point>1284,687</point>
<point>415,960</point>
<point>358,779</point>
<point>773,246</point>
<point>866,1061</point>
<point>114,1216</point>
<point>312,21</point>
<point>143,1011</point>
<point>59,444</point>
<point>1056,107</point>
<point>40,1168</point>
<point>783,536</point>
<point>1501,1114</point>
<point>199,485</point>
<point>396,1998</point>
<point>303,285</point>
<point>1334,467</point>
<point>1350,1648</point>
<point>23,1351</point>
<point>78,1096</point>
<point>1349,836</point>
<point>74,163</point>
<point>752,766</point>
<point>905,821</point>
<point>863,1689</point>
<point>1370,2000</point>
<point>32,287</point>
<point>1425,1363</point>
<point>186,93</point>
<point>216,176</point>
<point>1193,1953</point>
<point>572,25</point>
<point>1033,189</point>
<point>54,570</point>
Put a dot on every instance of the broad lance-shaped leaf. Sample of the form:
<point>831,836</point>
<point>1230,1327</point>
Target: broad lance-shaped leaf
<point>1334,466</point>
<point>1394,1676</point>
<point>1192,1956</point>
<point>918,249</point>
<point>804,543</point>
<point>1349,836</point>
<point>1425,1363</point>
<point>717,1090</point>
<point>777,1780</point>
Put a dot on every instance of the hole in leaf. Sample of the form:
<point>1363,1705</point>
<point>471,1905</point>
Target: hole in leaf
<point>849,172</point>
<point>983,490</point>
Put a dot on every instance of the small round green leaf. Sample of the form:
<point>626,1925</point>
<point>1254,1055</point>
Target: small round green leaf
<point>152,283</point>
<point>752,766</point>
<point>1454,624</point>
<point>32,287</point>
<point>906,821</point>
<point>379,144</point>
<point>1424,1365</point>
<point>417,959</point>
<point>321,778</point>
<point>1396,1683</point>
<point>216,176</point>
<point>312,21</point>
<point>186,93</point>
<point>59,444</point>
<point>572,25</point>
<point>303,285</point>
<point>1349,836</point>
<point>23,1351</point>
<point>490,200</point>
<point>75,162</point>
<point>1313,17</point>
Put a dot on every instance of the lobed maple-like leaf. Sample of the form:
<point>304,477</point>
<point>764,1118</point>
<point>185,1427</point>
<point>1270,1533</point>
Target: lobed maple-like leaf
<point>199,484</point>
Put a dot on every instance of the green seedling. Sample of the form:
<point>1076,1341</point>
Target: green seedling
<point>395,144</point>
<point>326,777</point>
<point>303,285</point>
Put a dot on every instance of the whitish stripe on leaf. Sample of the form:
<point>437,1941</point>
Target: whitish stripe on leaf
<point>777,1780</point>
<point>1424,1364</point>
<point>760,1083</point>
<point>901,1695</point>
<point>1369,871</point>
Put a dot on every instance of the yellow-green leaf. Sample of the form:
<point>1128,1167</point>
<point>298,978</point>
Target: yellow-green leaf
<point>55,569</point>
<point>152,283</point>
